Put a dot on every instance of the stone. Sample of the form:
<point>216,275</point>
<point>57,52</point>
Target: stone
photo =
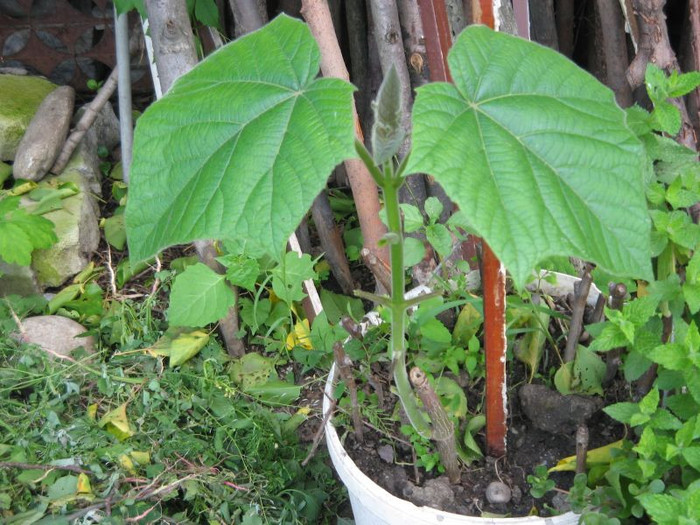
<point>77,228</point>
<point>13,71</point>
<point>56,335</point>
<point>45,135</point>
<point>20,97</point>
<point>553,412</point>
<point>106,126</point>
<point>436,493</point>
<point>17,280</point>
<point>86,161</point>
<point>386,453</point>
<point>498,493</point>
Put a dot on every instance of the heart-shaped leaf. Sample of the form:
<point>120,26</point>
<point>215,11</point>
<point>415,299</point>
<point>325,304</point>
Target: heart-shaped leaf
<point>240,146</point>
<point>199,296</point>
<point>536,154</point>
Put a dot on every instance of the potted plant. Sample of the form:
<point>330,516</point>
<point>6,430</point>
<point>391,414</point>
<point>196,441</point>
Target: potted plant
<point>533,150</point>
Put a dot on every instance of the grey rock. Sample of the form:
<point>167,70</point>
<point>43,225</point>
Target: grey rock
<point>386,453</point>
<point>498,493</point>
<point>56,335</point>
<point>76,226</point>
<point>45,135</point>
<point>552,412</point>
<point>16,279</point>
<point>106,126</point>
<point>13,71</point>
<point>392,480</point>
<point>436,493</point>
<point>86,161</point>
<point>20,96</point>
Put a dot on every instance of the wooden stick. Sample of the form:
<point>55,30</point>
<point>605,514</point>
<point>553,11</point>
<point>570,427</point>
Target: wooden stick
<point>442,429</point>
<point>364,190</point>
<point>581,448</point>
<point>342,361</point>
<point>579,307</point>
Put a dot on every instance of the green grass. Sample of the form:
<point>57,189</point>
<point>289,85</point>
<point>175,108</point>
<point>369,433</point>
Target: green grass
<point>201,451</point>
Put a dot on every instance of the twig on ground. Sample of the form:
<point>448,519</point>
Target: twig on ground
<point>137,519</point>
<point>319,433</point>
<point>35,466</point>
<point>112,277</point>
<point>16,319</point>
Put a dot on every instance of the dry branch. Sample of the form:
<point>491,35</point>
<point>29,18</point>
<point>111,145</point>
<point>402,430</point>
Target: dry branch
<point>443,432</point>
<point>581,289</point>
<point>332,242</point>
<point>344,365</point>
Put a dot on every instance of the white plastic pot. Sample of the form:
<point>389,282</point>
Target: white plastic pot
<point>372,505</point>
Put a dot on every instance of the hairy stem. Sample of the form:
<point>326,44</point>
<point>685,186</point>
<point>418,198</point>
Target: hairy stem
<point>398,307</point>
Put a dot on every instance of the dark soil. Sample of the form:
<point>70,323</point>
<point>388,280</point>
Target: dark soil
<point>528,447</point>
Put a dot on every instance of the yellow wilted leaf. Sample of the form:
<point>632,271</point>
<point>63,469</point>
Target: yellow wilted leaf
<point>23,188</point>
<point>468,323</point>
<point>179,345</point>
<point>186,346</point>
<point>304,411</point>
<point>597,456</point>
<point>117,423</point>
<point>300,336</point>
<point>84,486</point>
<point>92,412</point>
<point>142,458</point>
<point>127,464</point>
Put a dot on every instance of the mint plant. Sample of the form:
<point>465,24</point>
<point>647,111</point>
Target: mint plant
<point>539,482</point>
<point>22,232</point>
<point>533,150</point>
<point>656,473</point>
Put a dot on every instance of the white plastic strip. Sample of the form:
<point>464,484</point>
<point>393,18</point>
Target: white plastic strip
<point>151,60</point>
<point>308,283</point>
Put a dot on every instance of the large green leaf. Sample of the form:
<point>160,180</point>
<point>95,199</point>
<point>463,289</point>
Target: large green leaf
<point>240,146</point>
<point>537,155</point>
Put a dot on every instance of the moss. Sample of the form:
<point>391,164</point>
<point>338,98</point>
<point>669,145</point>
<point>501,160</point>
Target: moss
<point>20,96</point>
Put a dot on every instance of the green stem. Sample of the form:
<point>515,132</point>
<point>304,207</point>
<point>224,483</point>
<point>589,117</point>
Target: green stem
<point>390,188</point>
